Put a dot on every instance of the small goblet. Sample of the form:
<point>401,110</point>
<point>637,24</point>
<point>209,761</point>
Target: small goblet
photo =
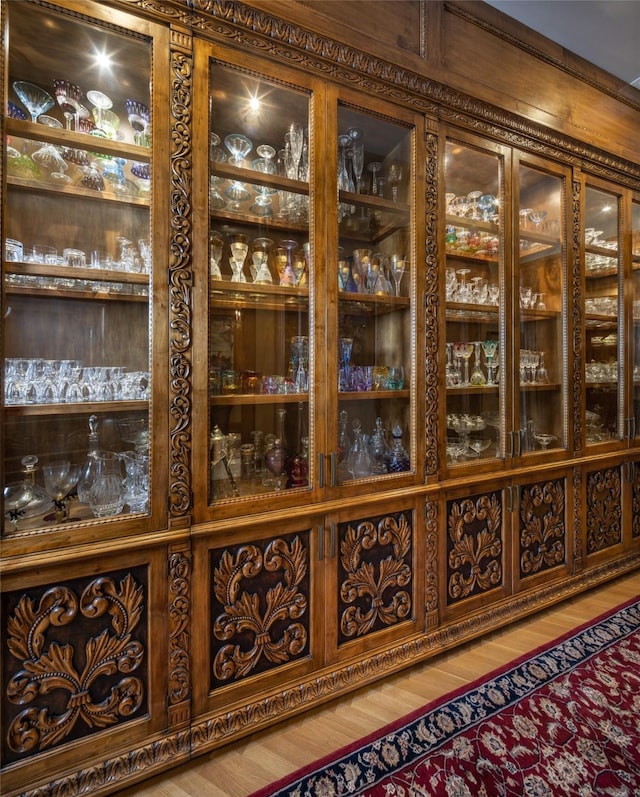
<point>59,479</point>
<point>239,146</point>
<point>68,96</point>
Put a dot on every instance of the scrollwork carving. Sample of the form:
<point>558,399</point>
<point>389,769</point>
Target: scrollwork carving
<point>604,509</point>
<point>179,635</point>
<point>432,307</point>
<point>542,528</point>
<point>474,545</point>
<point>263,607</point>
<point>375,589</point>
<point>61,686</point>
<point>635,501</point>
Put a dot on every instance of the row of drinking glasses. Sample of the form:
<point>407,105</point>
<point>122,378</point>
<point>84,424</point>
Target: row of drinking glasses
<point>530,300</point>
<point>592,237</point>
<point>101,121</point>
<point>537,220</point>
<point>601,305</point>
<point>475,205</point>
<point>470,241</point>
<point>366,272</point>
<point>131,258</point>
<point>602,372</point>
<point>470,290</point>
<point>290,261</point>
<point>596,262</point>
<point>458,371</point>
<point>364,378</point>
<point>85,286</point>
<point>532,367</point>
<point>39,381</point>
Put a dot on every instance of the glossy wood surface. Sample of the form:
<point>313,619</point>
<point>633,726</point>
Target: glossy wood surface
<point>241,768</point>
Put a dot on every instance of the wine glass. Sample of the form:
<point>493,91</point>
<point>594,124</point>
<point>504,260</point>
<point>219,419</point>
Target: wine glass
<point>59,479</point>
<point>260,257</point>
<point>394,177</point>
<point>374,167</point>
<point>398,266</point>
<point>239,250</point>
<point>288,275</point>
<point>101,102</point>
<point>68,96</point>
<point>490,348</point>
<point>34,99</point>
<point>239,146</point>
<point>216,245</point>
<point>463,351</point>
<point>138,116</point>
<point>357,161</point>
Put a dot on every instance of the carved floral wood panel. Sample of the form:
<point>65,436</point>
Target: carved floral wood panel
<point>542,532</point>
<point>74,660</point>
<point>375,574</point>
<point>604,509</point>
<point>474,546</point>
<point>259,607</point>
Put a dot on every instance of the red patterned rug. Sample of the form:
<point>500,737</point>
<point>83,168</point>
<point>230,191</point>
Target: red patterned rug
<point>562,720</point>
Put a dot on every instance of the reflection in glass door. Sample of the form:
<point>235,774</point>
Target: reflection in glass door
<point>540,359</point>
<point>473,242</point>
<point>603,409</point>
<point>260,264</point>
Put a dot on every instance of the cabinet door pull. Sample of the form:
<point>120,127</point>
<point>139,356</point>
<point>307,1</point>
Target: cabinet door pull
<point>332,544</point>
<point>320,542</point>
<point>511,443</point>
<point>321,470</point>
<point>333,464</point>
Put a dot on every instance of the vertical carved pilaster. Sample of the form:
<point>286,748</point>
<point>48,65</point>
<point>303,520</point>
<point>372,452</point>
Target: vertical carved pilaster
<point>635,500</point>
<point>578,551</point>
<point>431,564</point>
<point>180,274</point>
<point>431,306</point>
<point>179,691</point>
<point>576,314</point>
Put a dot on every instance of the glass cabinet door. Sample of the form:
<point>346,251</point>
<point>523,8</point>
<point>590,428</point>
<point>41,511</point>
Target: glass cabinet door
<point>540,360</point>
<point>374,279</point>
<point>76,270</point>
<point>260,346</point>
<point>602,311</point>
<point>635,337</point>
<point>474,276</point>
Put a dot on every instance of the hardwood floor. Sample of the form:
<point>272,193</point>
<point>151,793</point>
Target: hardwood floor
<point>241,768</point>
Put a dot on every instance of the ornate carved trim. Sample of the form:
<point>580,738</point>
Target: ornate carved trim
<point>431,299</point>
<point>278,39</point>
<point>542,531</point>
<point>179,630</point>
<point>576,313</point>
<point>180,277</point>
<point>578,551</point>
<point>604,509</point>
<point>431,563</point>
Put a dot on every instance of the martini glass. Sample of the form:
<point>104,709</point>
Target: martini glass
<point>68,96</point>
<point>239,146</point>
<point>59,479</point>
<point>34,99</point>
<point>101,102</point>
<point>237,193</point>
<point>50,159</point>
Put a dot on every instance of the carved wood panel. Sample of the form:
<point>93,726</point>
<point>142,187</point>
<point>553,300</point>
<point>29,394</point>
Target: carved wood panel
<point>474,546</point>
<point>604,509</point>
<point>635,501</point>
<point>260,606</point>
<point>75,660</point>
<point>375,574</point>
<point>541,527</point>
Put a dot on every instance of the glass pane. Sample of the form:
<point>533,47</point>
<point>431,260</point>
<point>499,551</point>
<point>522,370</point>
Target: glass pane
<point>635,287</point>
<point>374,283</point>
<point>473,276</point>
<point>76,272</point>
<point>260,358</point>
<point>602,314</point>
<point>541,362</point>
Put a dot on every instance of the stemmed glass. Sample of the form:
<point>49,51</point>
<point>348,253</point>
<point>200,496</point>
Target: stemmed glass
<point>346,346</point>
<point>473,209</point>
<point>374,167</point>
<point>463,351</point>
<point>216,200</point>
<point>101,102</point>
<point>49,157</point>
<point>345,182</point>
<point>68,96</point>
<point>357,161</point>
<point>398,265</point>
<point>239,251</point>
<point>260,257</point>
<point>294,141</point>
<point>545,439</point>
<point>239,146</point>
<point>216,245</point>
<point>394,177</point>
<point>59,479</point>
<point>34,99</point>
<point>138,116</point>
<point>477,374</point>
<point>486,205</point>
<point>537,217</point>
<point>288,275</point>
<point>490,348</point>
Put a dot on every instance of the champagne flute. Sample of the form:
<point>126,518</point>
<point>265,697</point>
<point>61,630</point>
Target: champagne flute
<point>398,266</point>
<point>394,177</point>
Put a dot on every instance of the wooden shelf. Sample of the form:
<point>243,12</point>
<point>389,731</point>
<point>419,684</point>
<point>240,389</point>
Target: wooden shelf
<point>62,408</point>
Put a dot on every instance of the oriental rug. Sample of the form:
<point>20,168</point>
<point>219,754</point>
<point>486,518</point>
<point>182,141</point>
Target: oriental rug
<point>562,720</point>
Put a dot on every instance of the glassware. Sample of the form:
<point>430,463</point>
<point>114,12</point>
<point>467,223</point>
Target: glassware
<point>288,275</point>
<point>463,351</point>
<point>398,265</point>
<point>105,489</point>
<point>490,348</point>
<point>378,448</point>
<point>394,178</point>
<point>216,246</point>
<point>60,478</point>
<point>358,460</point>
<point>136,482</point>
<point>397,460</point>
<point>68,96</point>
<point>260,257</point>
<point>374,167</point>
<point>239,146</point>
<point>49,157</point>
<point>101,102</point>
<point>545,439</point>
<point>346,346</point>
<point>35,99</point>
<point>477,374</point>
<point>239,250</point>
<point>139,117</point>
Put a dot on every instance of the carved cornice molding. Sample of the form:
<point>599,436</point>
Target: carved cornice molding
<point>290,44</point>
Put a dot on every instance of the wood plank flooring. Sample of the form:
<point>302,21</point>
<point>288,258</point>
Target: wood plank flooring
<point>243,767</point>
